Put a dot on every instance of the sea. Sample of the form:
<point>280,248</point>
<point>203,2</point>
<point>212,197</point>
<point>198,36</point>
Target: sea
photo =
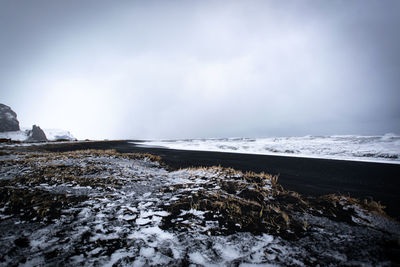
<point>379,148</point>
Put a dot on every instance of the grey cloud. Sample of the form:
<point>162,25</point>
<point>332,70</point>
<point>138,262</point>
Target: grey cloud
<point>203,69</point>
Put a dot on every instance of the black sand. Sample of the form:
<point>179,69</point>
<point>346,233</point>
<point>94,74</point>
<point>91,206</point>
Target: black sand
<point>379,181</point>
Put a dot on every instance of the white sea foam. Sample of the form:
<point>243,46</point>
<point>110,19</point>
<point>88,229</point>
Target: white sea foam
<point>384,148</point>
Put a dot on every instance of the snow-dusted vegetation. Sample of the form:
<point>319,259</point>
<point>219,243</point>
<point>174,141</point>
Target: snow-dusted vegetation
<point>103,208</point>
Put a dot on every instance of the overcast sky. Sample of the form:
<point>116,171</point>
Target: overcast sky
<point>184,69</point>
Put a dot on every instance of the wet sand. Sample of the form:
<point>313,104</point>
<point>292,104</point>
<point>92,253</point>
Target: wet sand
<point>307,176</point>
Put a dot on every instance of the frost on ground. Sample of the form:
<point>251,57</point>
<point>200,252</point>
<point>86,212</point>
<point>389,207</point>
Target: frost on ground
<point>104,208</point>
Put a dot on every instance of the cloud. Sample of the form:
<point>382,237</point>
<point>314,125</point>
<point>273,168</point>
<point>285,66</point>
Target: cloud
<point>210,69</point>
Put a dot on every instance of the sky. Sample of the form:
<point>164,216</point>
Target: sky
<point>202,69</point>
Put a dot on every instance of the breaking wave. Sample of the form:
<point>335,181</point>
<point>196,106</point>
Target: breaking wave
<point>384,148</point>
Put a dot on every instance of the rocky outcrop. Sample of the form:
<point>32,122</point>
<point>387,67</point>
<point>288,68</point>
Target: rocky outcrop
<point>37,135</point>
<point>8,119</point>
<point>10,130</point>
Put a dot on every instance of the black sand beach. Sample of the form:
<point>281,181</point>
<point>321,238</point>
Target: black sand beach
<point>379,181</point>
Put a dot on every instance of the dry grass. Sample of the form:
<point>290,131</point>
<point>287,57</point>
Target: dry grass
<point>36,204</point>
<point>373,206</point>
<point>20,195</point>
<point>370,205</point>
<point>4,153</point>
<point>89,152</point>
<point>243,202</point>
<point>230,173</point>
<point>42,172</point>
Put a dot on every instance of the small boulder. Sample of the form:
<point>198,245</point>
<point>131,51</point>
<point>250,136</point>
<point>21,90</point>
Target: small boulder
<point>37,135</point>
<point>8,119</point>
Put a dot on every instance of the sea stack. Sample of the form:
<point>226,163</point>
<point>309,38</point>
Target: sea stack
<point>8,119</point>
<point>37,135</point>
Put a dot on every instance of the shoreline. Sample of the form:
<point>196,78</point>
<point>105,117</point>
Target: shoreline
<point>368,160</point>
<point>307,176</point>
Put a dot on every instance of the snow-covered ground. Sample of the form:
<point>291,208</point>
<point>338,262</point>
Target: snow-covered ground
<point>51,134</point>
<point>102,208</point>
<point>385,148</point>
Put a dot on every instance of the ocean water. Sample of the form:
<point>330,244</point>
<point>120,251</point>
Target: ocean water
<point>384,148</point>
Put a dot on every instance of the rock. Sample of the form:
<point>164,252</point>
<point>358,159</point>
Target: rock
<point>8,119</point>
<point>37,135</point>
